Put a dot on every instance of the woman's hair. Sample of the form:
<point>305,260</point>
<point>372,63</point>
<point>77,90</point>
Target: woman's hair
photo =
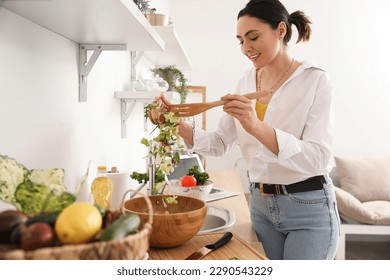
<point>273,12</point>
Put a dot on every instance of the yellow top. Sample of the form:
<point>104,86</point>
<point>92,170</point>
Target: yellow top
<point>260,110</point>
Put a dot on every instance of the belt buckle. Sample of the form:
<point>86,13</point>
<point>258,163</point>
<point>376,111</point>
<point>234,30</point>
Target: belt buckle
<point>262,191</point>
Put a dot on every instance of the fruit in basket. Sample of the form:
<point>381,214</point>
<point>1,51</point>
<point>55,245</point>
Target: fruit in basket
<point>36,236</point>
<point>78,223</point>
<point>121,227</point>
<point>9,219</point>
<point>45,217</point>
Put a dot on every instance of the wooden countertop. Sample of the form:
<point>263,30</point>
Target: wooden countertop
<point>244,244</point>
<point>235,248</point>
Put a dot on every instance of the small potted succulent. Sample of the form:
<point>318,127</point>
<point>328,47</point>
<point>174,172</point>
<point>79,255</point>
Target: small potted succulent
<point>175,78</point>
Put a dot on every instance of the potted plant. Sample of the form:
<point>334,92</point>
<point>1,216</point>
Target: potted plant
<point>143,6</point>
<point>150,13</point>
<point>175,78</point>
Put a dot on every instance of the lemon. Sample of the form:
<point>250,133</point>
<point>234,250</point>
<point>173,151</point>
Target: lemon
<point>78,223</point>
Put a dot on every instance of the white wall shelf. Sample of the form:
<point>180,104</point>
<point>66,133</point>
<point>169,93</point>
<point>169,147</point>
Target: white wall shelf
<point>106,22</point>
<point>93,21</point>
<point>144,96</point>
<point>174,53</point>
<point>98,25</point>
<point>95,25</point>
<point>129,99</point>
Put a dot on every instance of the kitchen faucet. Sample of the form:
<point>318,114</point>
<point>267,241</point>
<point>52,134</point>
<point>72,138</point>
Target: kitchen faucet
<point>152,174</point>
<point>152,171</point>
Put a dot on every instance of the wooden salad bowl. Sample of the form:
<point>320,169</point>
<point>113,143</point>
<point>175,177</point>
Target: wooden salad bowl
<point>173,224</point>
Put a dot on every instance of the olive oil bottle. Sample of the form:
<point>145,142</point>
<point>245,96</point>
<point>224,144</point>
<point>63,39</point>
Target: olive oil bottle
<point>101,188</point>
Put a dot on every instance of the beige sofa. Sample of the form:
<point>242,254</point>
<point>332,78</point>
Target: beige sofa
<point>362,187</point>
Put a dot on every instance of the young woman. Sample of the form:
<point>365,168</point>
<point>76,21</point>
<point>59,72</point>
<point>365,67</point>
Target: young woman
<point>285,136</point>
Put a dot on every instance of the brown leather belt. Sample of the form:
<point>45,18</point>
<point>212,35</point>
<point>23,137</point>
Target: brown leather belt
<point>311,184</point>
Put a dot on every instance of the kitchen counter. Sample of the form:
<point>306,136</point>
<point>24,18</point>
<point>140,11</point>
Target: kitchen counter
<point>244,244</point>
<point>236,248</point>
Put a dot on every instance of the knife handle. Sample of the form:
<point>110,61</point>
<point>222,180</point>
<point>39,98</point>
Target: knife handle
<point>222,241</point>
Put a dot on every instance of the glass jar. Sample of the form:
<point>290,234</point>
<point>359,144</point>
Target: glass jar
<point>157,84</point>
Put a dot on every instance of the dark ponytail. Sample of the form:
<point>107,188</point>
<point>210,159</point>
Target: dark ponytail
<point>273,12</point>
<point>302,22</point>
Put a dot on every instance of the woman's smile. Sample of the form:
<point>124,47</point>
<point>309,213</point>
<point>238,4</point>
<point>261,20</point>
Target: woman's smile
<point>253,57</point>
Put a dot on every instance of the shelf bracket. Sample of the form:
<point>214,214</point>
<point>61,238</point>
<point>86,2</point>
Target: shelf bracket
<point>134,59</point>
<point>125,113</point>
<point>85,65</point>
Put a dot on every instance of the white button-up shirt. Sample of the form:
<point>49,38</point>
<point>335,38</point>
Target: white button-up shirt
<point>300,112</point>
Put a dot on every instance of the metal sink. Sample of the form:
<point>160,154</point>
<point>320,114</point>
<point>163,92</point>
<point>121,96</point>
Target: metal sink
<point>217,219</point>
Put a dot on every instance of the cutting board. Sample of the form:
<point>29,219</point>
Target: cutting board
<point>235,248</point>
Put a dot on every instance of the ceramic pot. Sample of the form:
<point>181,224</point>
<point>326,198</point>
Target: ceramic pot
<point>157,19</point>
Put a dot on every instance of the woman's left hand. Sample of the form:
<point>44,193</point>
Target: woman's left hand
<point>241,108</point>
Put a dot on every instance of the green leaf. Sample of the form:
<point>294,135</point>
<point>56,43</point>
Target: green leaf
<point>201,177</point>
<point>145,142</point>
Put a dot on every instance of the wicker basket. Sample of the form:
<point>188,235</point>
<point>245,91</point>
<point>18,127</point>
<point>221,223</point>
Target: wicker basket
<point>132,247</point>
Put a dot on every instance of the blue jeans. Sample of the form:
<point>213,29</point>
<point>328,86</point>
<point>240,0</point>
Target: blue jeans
<point>297,226</point>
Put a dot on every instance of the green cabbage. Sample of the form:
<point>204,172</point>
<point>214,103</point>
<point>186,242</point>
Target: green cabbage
<point>34,198</point>
<point>55,202</point>
<point>12,174</point>
<point>36,190</point>
<point>31,197</point>
<point>53,178</point>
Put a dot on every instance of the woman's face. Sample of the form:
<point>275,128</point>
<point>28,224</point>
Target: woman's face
<point>259,42</point>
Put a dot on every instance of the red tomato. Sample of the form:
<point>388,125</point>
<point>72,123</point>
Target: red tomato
<point>188,181</point>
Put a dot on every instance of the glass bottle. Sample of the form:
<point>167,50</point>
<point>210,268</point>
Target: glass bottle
<point>101,188</point>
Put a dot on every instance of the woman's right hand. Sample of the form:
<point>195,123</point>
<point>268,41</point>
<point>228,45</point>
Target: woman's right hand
<point>241,108</point>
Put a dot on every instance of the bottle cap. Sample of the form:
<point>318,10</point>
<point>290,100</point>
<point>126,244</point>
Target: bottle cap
<point>102,168</point>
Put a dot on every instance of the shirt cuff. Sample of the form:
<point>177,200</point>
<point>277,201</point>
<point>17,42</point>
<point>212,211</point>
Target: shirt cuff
<point>200,139</point>
<point>288,147</point>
